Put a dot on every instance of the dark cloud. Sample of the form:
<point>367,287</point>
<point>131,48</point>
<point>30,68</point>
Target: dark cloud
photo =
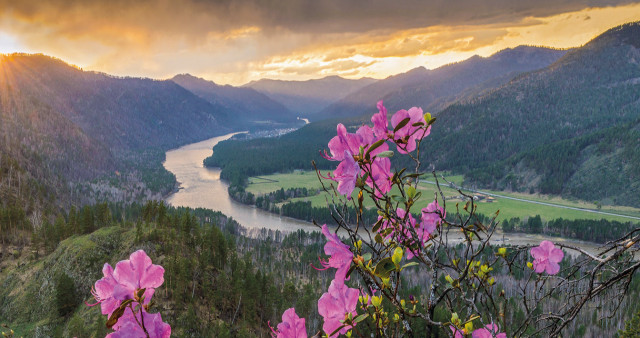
<point>196,17</point>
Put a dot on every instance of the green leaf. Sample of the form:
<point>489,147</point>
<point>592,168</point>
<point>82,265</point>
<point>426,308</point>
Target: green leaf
<point>378,238</point>
<point>411,191</point>
<point>378,224</point>
<point>117,313</point>
<point>384,268</point>
<point>398,198</point>
<point>387,153</point>
<point>336,331</point>
<point>360,318</point>
<point>366,256</point>
<point>410,264</point>
<point>397,256</point>
<point>374,146</point>
<point>401,124</point>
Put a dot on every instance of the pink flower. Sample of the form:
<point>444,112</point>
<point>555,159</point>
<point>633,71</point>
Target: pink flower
<point>335,304</point>
<point>490,331</point>
<point>137,273</point>
<point>128,327</point>
<point>341,142</point>
<point>103,291</point>
<point>292,326</point>
<point>380,122</point>
<point>341,256</point>
<point>457,333</point>
<point>346,175</point>
<point>401,232</point>
<point>431,217</point>
<point>122,283</point>
<point>546,258</point>
<point>408,134</point>
<point>381,175</point>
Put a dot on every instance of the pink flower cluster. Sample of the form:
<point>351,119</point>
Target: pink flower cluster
<point>292,326</point>
<point>129,277</point>
<point>335,304</point>
<point>347,148</point>
<point>546,258</point>
<point>431,217</point>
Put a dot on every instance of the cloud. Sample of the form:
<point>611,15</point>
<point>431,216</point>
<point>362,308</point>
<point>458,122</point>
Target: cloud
<point>241,40</point>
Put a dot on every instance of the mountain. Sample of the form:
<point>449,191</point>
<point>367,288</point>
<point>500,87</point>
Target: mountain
<point>570,128</point>
<point>556,113</point>
<point>435,89</point>
<point>246,105</point>
<point>311,96</point>
<point>61,125</point>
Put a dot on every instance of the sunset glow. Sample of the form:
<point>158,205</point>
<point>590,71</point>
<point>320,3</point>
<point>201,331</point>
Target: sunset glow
<point>247,41</point>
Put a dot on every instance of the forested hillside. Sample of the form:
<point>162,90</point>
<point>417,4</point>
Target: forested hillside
<point>218,283</point>
<point>62,128</point>
<point>587,91</point>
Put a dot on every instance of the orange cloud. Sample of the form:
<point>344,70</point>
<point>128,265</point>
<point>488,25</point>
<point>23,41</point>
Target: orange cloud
<point>238,41</point>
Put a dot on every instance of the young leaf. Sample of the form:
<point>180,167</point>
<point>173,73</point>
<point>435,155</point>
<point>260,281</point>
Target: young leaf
<point>384,267</point>
<point>401,124</point>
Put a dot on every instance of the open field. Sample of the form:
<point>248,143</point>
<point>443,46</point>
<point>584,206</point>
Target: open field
<point>508,208</point>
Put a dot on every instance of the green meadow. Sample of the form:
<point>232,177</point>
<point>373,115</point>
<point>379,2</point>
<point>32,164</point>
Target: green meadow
<point>508,208</point>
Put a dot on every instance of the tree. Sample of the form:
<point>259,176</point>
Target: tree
<point>65,294</point>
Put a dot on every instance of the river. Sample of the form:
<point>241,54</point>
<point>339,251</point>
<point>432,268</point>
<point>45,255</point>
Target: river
<point>202,187</point>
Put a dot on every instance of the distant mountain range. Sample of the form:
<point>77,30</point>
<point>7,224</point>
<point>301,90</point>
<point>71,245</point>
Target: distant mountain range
<point>570,128</point>
<point>311,96</point>
<point>435,89</point>
<point>245,105</point>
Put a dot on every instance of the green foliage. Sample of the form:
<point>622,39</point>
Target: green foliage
<point>66,296</point>
<point>631,327</point>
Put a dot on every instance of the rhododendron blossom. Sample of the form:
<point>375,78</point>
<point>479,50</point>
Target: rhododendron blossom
<point>457,333</point>
<point>335,304</point>
<point>546,258</point>
<point>408,134</point>
<point>489,331</point>
<point>400,231</point>
<point>103,291</point>
<point>128,327</point>
<point>380,176</point>
<point>346,175</point>
<point>432,215</point>
<point>292,326</point>
<point>125,282</point>
<point>130,275</point>
<point>380,122</point>
<point>136,273</point>
<point>341,256</point>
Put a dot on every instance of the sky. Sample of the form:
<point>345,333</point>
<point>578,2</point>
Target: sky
<point>234,42</point>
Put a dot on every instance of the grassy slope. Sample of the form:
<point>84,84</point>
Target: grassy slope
<point>508,208</point>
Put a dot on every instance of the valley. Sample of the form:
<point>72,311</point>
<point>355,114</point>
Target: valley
<point>216,183</point>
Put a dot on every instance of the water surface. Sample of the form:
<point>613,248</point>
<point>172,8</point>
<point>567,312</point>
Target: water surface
<point>202,187</point>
